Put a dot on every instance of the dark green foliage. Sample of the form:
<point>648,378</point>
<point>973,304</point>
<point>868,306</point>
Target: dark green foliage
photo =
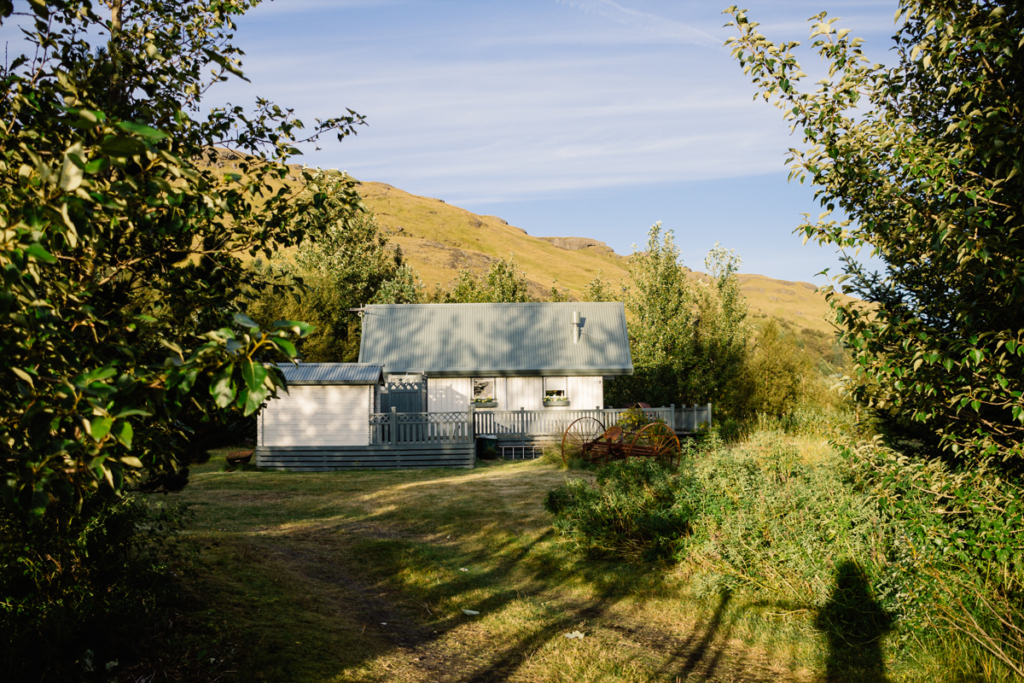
<point>637,510</point>
<point>87,582</point>
<point>689,340</point>
<point>122,340</point>
<point>926,160</point>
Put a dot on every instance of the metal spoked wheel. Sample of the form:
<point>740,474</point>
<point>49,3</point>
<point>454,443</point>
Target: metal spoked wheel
<point>579,436</point>
<point>657,441</point>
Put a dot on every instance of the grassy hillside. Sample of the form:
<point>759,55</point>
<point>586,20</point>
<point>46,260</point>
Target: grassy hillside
<point>438,239</point>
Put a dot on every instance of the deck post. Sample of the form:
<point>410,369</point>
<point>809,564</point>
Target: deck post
<point>394,435</point>
<point>471,427</point>
<point>672,421</point>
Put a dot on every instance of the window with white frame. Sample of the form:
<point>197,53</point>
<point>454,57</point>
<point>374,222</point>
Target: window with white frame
<point>483,390</point>
<point>555,389</point>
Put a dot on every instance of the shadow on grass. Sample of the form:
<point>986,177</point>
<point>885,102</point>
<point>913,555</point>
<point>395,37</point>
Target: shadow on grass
<point>854,624</point>
<point>360,569</point>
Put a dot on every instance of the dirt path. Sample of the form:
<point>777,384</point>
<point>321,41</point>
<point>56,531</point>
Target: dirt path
<point>421,645</point>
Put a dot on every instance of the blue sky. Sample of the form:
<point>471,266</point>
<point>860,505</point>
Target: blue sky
<point>565,117</point>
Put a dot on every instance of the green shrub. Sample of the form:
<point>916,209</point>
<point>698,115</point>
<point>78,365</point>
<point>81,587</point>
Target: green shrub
<point>76,590</point>
<point>637,510</point>
<point>775,526</point>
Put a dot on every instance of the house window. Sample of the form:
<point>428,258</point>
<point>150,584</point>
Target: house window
<point>483,390</point>
<point>555,389</point>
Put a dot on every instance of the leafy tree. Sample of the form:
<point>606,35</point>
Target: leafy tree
<point>598,290</point>
<point>349,263</point>
<point>688,337</point>
<point>776,372</point>
<point>504,283</point>
<point>926,159</point>
<point>121,334</point>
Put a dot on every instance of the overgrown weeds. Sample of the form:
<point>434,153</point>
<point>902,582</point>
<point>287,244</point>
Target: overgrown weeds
<point>879,548</point>
<point>637,509</point>
<point>76,590</point>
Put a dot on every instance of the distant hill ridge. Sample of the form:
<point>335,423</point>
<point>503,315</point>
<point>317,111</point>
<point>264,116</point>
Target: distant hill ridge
<point>438,239</point>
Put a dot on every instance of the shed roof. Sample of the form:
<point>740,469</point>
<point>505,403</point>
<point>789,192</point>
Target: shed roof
<point>331,373</point>
<point>462,340</point>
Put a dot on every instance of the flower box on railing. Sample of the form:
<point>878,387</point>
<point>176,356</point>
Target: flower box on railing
<point>556,403</point>
<point>484,403</point>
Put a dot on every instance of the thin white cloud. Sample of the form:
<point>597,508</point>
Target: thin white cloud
<point>660,27</point>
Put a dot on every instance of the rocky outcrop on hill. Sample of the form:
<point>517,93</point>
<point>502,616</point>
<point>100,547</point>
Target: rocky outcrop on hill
<point>576,243</point>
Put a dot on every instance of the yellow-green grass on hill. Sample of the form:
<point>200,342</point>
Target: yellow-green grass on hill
<point>439,239</point>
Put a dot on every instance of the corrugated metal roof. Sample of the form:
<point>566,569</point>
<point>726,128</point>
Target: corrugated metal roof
<point>331,373</point>
<point>496,339</point>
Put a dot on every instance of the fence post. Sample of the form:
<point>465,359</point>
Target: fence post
<point>522,422</point>
<point>393,437</point>
<point>709,415</point>
<point>672,422</point>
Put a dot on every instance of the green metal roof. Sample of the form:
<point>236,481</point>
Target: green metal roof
<point>502,340</point>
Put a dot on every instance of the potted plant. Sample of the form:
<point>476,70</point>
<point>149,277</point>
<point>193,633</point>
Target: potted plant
<point>556,401</point>
<point>484,403</point>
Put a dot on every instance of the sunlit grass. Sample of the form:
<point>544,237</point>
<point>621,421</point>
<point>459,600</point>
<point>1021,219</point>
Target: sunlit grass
<point>365,576</point>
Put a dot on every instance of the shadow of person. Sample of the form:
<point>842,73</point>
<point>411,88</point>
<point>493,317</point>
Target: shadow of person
<point>854,624</point>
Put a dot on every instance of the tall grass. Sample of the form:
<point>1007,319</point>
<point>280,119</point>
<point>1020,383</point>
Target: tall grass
<point>902,567</point>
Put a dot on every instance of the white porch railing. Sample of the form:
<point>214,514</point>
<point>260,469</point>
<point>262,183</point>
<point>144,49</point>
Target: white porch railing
<point>530,423</point>
<point>400,429</point>
<point>461,427</point>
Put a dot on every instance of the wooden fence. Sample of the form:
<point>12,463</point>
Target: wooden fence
<point>398,429</point>
<point>546,423</point>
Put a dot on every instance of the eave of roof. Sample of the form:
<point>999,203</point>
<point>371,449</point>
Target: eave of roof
<point>332,374</point>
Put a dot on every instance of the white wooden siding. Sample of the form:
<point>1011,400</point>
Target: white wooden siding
<point>448,394</point>
<point>451,394</point>
<point>318,416</point>
<point>586,393</point>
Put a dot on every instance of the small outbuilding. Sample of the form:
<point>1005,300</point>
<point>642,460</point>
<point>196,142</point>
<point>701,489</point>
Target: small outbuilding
<point>327,404</point>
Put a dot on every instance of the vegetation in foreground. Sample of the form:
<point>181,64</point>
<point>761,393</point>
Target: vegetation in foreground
<point>785,567</point>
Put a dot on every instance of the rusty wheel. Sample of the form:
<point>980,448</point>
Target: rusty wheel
<point>578,437</point>
<point>656,441</point>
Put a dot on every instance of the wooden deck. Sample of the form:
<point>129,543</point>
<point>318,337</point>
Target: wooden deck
<point>325,458</point>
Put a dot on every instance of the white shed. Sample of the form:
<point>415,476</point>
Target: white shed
<point>327,404</point>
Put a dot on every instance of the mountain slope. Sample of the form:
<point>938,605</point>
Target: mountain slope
<point>438,239</point>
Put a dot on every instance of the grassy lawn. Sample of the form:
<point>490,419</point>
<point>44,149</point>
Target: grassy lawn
<point>365,576</point>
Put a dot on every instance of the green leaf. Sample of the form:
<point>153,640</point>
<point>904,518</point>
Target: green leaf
<point>254,400</point>
<point>122,147</point>
<point>37,252</point>
<point>142,130</point>
<point>24,376</point>
<point>123,432</point>
<point>223,389</point>
<point>300,328</point>
<point>99,427</point>
<point>245,321</point>
<point>253,374</point>
<point>285,346</point>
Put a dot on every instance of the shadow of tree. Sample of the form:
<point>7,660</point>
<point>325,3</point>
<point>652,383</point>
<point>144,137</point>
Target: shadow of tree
<point>855,625</point>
